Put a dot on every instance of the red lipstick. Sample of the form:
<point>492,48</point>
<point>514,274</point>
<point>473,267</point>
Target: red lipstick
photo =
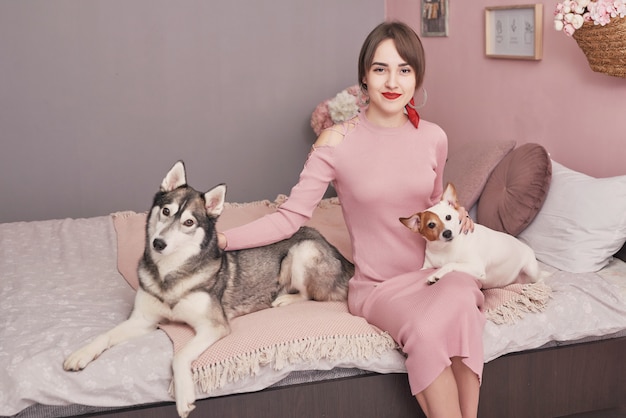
<point>391,96</point>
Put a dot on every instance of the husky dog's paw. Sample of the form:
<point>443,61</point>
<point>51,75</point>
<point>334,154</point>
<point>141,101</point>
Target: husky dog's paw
<point>287,299</point>
<point>185,410</point>
<point>185,399</point>
<point>79,359</point>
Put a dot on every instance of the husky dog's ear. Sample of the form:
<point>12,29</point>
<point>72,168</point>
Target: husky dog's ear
<point>412,222</point>
<point>174,178</point>
<point>214,199</point>
<point>450,196</point>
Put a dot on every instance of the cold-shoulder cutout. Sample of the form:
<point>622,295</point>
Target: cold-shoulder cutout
<point>329,138</point>
<point>333,136</point>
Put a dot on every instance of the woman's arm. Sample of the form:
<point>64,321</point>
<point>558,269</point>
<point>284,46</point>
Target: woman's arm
<point>304,197</point>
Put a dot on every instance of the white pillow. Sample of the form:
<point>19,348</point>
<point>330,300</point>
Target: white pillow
<point>582,222</point>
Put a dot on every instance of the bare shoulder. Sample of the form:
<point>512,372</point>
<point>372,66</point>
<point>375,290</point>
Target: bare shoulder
<point>329,138</point>
<point>333,136</point>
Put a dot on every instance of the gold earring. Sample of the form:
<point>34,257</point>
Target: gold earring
<point>424,100</point>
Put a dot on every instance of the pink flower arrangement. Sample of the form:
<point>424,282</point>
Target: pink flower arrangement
<point>344,106</point>
<point>570,15</point>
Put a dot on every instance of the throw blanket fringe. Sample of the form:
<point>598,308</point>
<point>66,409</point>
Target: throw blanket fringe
<point>309,350</point>
<point>531,297</point>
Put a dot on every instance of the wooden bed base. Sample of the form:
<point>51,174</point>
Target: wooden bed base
<point>553,382</point>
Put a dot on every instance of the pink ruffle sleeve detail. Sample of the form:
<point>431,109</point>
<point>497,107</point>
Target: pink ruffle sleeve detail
<point>318,172</point>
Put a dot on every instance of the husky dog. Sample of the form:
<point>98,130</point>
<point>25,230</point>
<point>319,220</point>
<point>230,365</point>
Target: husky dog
<point>185,277</point>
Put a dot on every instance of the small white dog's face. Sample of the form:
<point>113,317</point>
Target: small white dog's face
<point>439,222</point>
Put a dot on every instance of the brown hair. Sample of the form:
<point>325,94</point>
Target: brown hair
<point>407,43</point>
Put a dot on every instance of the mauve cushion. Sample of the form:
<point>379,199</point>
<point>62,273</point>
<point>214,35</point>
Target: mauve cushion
<point>516,189</point>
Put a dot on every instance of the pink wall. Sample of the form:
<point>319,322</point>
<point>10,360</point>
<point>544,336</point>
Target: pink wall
<point>578,115</point>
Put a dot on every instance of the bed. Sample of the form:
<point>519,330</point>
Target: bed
<point>550,351</point>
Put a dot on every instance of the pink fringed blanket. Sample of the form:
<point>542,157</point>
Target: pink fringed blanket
<point>312,334</point>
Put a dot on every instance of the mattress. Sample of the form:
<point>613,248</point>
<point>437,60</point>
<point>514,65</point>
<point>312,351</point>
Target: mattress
<point>60,287</point>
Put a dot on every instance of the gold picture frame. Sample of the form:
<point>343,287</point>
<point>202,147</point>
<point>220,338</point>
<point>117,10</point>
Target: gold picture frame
<point>514,32</point>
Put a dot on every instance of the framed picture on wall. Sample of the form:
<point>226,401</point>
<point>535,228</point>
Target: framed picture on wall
<point>434,17</point>
<point>514,32</point>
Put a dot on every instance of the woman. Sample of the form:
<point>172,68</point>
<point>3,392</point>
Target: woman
<point>385,166</point>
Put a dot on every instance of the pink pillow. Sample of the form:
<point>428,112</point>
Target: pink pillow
<point>469,166</point>
<point>130,228</point>
<point>516,190</point>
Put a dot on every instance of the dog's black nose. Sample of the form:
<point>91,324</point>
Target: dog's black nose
<point>447,234</point>
<point>158,244</point>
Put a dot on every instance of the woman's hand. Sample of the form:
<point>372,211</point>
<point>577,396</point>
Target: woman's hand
<point>467,224</point>
<point>221,240</point>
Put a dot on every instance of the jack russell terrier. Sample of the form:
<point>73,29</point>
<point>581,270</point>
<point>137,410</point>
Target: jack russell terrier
<point>497,259</point>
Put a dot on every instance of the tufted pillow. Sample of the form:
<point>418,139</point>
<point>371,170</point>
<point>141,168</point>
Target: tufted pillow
<point>516,190</point>
<point>469,166</point>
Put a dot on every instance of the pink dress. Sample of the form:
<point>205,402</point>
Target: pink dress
<point>380,175</point>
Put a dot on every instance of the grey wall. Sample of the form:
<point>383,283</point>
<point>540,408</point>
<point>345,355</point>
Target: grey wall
<point>99,98</point>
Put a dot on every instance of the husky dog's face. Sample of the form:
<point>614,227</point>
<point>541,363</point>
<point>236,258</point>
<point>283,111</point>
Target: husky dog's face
<point>177,221</point>
<point>182,220</point>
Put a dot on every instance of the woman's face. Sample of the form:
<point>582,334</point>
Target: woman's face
<point>390,84</point>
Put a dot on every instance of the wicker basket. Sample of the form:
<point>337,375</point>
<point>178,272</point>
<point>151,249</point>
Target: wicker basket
<point>604,46</point>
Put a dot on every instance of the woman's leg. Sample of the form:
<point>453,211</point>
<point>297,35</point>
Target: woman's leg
<point>454,393</point>
<point>441,398</point>
<point>421,400</point>
<point>468,386</point>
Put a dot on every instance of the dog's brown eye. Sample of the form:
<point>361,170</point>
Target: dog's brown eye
<point>188,222</point>
<point>432,225</point>
<point>166,212</point>
<point>448,217</point>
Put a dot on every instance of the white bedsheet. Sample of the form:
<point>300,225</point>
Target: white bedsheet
<point>583,305</point>
<point>59,287</point>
